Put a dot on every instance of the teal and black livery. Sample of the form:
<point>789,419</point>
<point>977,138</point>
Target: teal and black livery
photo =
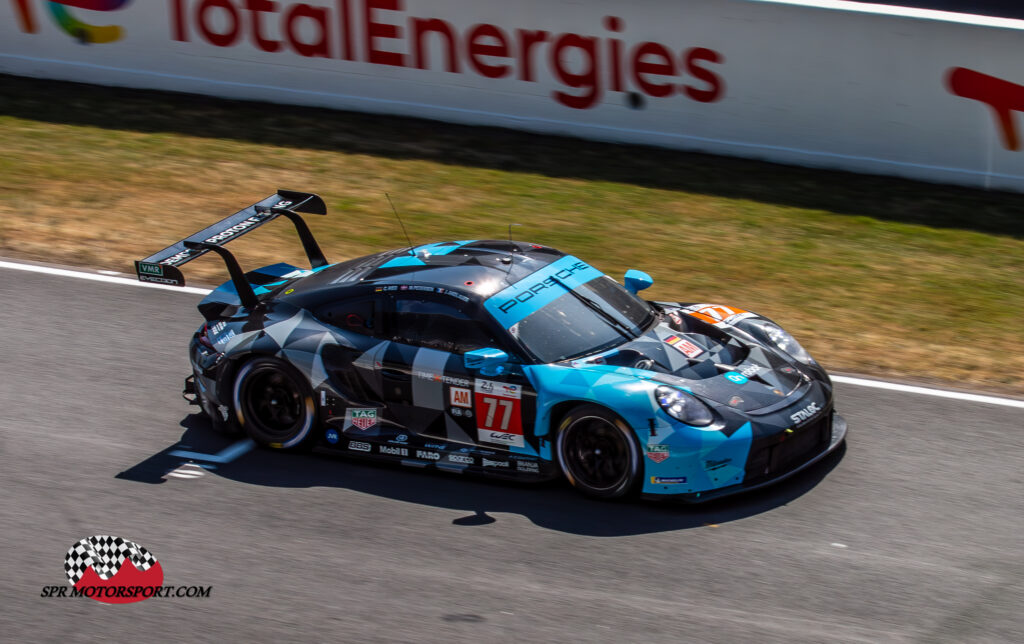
<point>499,358</point>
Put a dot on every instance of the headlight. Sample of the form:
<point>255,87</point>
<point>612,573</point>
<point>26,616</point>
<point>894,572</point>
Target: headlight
<point>683,407</point>
<point>783,340</point>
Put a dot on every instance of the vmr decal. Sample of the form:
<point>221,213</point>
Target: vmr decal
<point>498,413</point>
<point>151,269</point>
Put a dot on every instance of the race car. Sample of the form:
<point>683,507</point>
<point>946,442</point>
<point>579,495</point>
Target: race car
<point>500,358</point>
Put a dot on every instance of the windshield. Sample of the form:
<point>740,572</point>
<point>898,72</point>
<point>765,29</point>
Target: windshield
<point>597,315</point>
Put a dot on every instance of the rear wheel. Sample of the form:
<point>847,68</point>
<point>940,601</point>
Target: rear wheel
<point>598,453</point>
<point>274,404</point>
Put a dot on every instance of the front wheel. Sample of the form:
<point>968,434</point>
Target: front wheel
<point>274,403</point>
<point>598,453</point>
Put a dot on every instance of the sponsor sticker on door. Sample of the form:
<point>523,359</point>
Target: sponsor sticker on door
<point>498,413</point>
<point>361,419</point>
<point>657,453</point>
<point>689,349</point>
<point>460,397</point>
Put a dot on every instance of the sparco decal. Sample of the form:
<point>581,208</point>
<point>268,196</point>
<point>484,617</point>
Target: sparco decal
<point>379,32</point>
<point>806,413</point>
<point>461,459</point>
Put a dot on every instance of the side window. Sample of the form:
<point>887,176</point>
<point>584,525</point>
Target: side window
<point>436,325</point>
<point>358,316</point>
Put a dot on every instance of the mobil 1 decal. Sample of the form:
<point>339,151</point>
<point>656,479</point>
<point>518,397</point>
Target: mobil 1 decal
<point>499,416</point>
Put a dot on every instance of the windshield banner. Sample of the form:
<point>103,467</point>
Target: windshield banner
<point>538,289</point>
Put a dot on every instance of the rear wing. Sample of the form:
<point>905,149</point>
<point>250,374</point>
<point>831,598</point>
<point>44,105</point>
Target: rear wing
<point>163,267</point>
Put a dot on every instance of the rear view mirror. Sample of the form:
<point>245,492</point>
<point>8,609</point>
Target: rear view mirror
<point>637,281</point>
<point>490,362</point>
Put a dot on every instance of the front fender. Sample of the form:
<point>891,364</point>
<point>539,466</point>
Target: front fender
<point>627,392</point>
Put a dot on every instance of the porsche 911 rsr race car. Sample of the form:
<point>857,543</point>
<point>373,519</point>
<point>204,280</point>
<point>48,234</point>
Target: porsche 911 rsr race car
<point>500,358</point>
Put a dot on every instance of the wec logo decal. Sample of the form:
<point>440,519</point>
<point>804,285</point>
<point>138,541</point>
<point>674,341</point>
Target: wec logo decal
<point>85,33</point>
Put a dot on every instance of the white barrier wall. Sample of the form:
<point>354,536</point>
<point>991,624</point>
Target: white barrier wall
<point>906,92</point>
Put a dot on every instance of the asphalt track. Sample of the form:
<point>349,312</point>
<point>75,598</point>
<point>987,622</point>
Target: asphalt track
<point>912,535</point>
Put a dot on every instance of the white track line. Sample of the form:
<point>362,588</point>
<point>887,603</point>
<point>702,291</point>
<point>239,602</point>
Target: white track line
<point>846,380</point>
<point>927,391</point>
<point>96,277</point>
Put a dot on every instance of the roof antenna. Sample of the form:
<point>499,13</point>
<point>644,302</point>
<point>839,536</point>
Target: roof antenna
<point>394,210</point>
<point>508,260</point>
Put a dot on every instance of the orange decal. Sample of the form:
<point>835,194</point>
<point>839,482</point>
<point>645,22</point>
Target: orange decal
<point>715,313</point>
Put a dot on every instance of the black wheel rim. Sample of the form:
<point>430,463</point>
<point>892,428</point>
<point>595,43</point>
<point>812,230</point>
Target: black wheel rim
<point>273,402</point>
<point>596,453</point>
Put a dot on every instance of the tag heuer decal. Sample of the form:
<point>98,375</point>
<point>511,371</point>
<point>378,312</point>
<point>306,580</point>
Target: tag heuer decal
<point>657,453</point>
<point>361,419</point>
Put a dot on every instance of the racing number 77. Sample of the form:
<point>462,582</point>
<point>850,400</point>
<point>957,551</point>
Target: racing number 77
<point>492,406</point>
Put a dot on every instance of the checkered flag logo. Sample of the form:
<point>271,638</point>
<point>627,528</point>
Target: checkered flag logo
<point>105,554</point>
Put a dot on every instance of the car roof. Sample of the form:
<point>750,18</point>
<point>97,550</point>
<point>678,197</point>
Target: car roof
<point>475,268</point>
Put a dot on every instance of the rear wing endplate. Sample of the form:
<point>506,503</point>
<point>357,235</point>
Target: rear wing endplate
<point>163,267</point>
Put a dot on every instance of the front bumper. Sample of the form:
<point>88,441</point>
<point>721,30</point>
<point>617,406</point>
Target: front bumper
<point>771,476</point>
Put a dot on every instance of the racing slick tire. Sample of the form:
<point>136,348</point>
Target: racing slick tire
<point>273,404</point>
<point>598,453</point>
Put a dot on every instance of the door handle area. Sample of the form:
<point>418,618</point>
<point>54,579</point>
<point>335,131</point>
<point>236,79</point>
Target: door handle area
<point>395,374</point>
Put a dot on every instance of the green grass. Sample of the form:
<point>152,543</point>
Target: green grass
<point>875,275</point>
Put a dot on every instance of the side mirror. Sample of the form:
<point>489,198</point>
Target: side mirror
<point>637,281</point>
<point>490,362</point>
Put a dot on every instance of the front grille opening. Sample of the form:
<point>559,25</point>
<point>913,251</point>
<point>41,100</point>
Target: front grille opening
<point>774,457</point>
